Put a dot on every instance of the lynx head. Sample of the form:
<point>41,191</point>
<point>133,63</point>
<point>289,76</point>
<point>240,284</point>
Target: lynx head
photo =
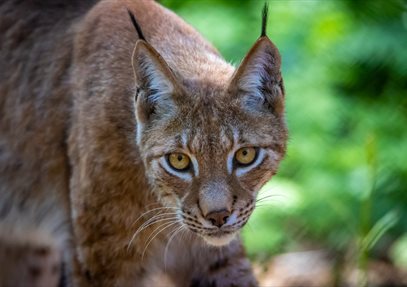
<point>208,147</point>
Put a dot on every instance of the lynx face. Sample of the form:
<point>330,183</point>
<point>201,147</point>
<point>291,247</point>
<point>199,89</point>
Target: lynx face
<point>209,147</point>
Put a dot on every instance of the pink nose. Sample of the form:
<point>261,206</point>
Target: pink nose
<point>218,218</point>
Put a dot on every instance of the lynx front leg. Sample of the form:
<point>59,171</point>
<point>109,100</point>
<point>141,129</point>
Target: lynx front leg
<point>106,199</point>
<point>97,261</point>
<point>102,232</point>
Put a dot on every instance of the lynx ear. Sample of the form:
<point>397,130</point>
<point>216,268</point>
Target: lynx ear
<point>155,81</point>
<point>258,81</point>
<point>156,85</point>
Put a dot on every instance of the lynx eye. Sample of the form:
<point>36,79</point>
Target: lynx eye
<point>245,155</point>
<point>179,161</point>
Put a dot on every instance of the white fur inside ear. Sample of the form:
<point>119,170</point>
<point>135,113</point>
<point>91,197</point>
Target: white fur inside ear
<point>253,79</point>
<point>154,80</point>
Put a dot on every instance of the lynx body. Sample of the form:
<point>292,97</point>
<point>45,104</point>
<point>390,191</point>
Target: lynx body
<point>135,161</point>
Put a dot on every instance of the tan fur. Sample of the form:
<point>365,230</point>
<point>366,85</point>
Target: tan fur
<point>82,130</point>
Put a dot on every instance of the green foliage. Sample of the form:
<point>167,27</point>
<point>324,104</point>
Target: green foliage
<point>344,179</point>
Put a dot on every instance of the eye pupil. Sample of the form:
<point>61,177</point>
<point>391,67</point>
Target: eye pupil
<point>179,157</point>
<point>244,152</point>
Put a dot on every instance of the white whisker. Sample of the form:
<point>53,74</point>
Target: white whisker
<point>268,197</point>
<point>250,226</point>
<point>157,216</point>
<point>151,221</point>
<point>268,204</point>
<point>156,220</point>
<point>166,225</point>
<point>151,210</point>
<point>173,234</point>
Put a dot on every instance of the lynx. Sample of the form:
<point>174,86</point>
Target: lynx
<point>131,152</point>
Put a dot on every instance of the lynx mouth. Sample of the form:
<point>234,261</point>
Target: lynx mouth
<point>219,238</point>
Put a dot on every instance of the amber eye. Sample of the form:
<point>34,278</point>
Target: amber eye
<point>245,155</point>
<point>179,161</point>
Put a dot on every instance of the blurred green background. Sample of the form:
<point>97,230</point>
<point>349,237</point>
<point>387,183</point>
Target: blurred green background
<point>343,185</point>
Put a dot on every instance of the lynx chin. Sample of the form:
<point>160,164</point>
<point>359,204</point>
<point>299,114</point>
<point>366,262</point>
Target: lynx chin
<point>131,152</point>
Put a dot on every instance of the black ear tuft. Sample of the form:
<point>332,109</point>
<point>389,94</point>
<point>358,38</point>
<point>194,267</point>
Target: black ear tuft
<point>264,19</point>
<point>136,25</point>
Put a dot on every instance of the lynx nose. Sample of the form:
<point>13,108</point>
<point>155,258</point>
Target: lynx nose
<point>218,218</point>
